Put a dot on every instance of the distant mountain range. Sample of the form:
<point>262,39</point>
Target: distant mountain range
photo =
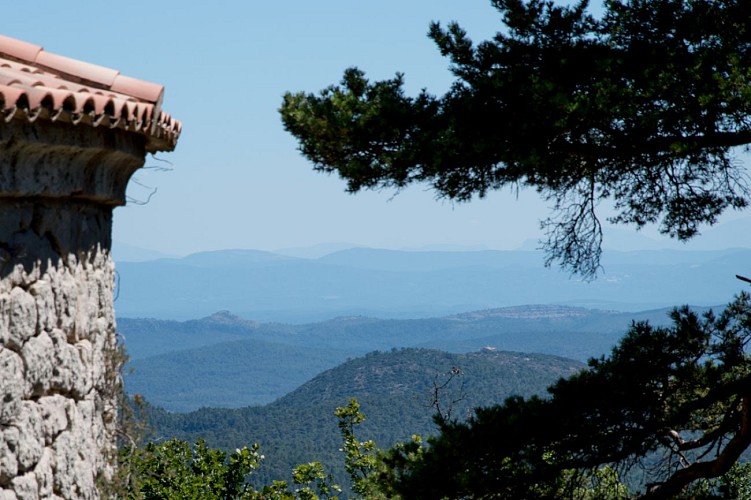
<point>225,361</point>
<point>731,232</point>
<point>270,287</point>
<point>273,369</point>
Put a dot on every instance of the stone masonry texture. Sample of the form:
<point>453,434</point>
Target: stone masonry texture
<point>59,373</point>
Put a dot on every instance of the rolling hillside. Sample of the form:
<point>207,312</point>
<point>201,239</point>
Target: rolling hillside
<point>225,361</point>
<point>395,390</point>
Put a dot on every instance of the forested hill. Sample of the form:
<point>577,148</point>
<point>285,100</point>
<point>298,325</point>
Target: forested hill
<point>483,377</point>
<point>395,388</point>
<point>226,361</point>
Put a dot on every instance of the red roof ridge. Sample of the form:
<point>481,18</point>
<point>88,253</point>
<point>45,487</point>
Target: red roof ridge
<point>88,73</point>
<point>37,83</point>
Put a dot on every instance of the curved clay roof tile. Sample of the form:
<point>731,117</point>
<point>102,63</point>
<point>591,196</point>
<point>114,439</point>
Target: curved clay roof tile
<point>35,84</point>
<point>151,92</point>
<point>118,109</point>
<point>100,103</point>
<point>85,71</point>
<point>58,97</point>
<point>19,49</point>
<point>11,96</point>
<point>9,80</point>
<point>37,99</point>
<point>69,103</point>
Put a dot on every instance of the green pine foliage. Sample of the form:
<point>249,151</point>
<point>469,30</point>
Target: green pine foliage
<point>643,107</point>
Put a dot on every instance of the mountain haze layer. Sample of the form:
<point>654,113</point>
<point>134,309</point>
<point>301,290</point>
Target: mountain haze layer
<point>270,287</point>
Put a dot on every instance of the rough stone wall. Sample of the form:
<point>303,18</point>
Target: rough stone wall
<point>59,377</point>
<point>57,328</point>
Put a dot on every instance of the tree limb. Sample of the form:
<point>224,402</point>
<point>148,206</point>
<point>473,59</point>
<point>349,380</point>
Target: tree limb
<point>714,468</point>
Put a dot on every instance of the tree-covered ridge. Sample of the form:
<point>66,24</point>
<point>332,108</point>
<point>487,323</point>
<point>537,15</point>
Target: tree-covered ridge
<point>396,390</point>
<point>279,358</point>
<point>485,376</point>
<point>642,107</point>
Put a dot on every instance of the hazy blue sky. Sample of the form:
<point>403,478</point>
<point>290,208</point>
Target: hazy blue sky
<point>237,180</point>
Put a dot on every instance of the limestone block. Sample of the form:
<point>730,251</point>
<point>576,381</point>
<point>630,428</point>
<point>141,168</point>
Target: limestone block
<point>54,413</point>
<point>11,385</point>
<point>65,291</point>
<point>54,364</point>
<point>7,494</point>
<point>98,365</point>
<point>85,307</point>
<point>67,372</point>
<point>89,309</point>
<point>82,319</point>
<point>98,435</point>
<point>101,327</point>
<point>45,303</point>
<point>4,317</point>
<point>74,476</point>
<point>43,473</point>
<point>8,448</point>
<point>26,487</point>
<point>100,287</point>
<point>85,378</point>
<point>87,428</point>
<point>30,437</point>
<point>38,354</point>
<point>105,341</point>
<point>23,316</point>
<point>63,465</point>
<point>20,276</point>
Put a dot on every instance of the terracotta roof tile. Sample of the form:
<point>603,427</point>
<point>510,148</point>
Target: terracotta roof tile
<point>35,84</point>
